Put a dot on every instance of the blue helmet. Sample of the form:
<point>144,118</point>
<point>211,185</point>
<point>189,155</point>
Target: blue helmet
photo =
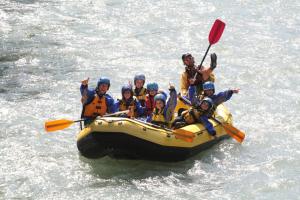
<point>139,77</point>
<point>163,93</point>
<point>103,80</point>
<point>208,85</point>
<point>152,86</point>
<point>161,97</point>
<point>126,88</point>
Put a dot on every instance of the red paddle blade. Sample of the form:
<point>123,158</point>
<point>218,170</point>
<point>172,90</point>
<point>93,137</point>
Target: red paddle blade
<point>216,32</point>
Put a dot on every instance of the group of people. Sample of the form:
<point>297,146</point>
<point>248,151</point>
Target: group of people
<point>152,104</point>
<point>140,102</point>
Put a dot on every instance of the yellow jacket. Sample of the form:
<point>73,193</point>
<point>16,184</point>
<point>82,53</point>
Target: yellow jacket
<point>184,83</point>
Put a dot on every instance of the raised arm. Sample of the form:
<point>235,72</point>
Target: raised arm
<point>86,93</point>
<point>171,104</point>
<point>224,96</point>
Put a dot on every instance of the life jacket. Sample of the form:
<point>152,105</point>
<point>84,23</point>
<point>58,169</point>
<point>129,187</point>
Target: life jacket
<point>149,104</point>
<point>96,108</point>
<point>140,94</point>
<point>123,105</point>
<point>193,115</point>
<point>199,79</point>
<point>158,118</point>
<point>191,71</point>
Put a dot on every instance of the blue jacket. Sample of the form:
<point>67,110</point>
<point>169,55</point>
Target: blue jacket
<point>169,108</point>
<point>217,99</point>
<point>209,127</point>
<point>139,109</point>
<point>221,97</point>
<point>90,94</point>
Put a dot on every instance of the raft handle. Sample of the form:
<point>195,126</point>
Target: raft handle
<point>200,133</point>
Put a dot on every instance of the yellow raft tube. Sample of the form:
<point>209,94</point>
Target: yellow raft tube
<point>125,138</point>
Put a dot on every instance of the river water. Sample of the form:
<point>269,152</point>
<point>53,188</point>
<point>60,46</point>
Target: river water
<point>47,47</point>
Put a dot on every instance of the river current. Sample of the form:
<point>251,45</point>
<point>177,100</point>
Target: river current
<point>48,46</point>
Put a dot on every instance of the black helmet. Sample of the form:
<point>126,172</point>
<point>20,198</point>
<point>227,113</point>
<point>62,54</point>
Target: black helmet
<point>185,55</point>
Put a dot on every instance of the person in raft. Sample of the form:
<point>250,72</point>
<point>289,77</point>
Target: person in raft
<point>163,111</point>
<point>152,89</point>
<point>203,73</point>
<point>139,91</point>
<point>197,114</point>
<point>96,102</point>
<point>209,91</point>
<point>129,102</point>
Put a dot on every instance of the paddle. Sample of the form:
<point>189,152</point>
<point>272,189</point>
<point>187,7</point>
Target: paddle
<point>232,131</point>
<point>229,129</point>
<point>215,34</point>
<point>61,124</point>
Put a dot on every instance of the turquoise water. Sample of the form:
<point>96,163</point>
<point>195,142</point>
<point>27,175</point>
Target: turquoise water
<point>48,47</point>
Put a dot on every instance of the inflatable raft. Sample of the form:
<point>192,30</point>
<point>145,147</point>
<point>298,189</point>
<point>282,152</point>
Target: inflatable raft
<point>124,138</point>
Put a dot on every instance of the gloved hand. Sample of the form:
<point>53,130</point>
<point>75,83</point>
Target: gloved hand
<point>212,133</point>
<point>85,82</point>
<point>171,87</point>
<point>213,61</point>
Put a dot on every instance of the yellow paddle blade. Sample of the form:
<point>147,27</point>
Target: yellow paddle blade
<point>57,125</point>
<point>234,132</point>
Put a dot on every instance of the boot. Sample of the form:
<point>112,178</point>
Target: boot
<point>213,61</point>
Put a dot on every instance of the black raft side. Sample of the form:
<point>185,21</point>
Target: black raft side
<point>123,146</point>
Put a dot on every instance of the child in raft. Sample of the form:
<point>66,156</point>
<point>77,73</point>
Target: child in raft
<point>163,111</point>
<point>152,89</point>
<point>197,114</point>
<point>129,102</point>
<point>139,91</point>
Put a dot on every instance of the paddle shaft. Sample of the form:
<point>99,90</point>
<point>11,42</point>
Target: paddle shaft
<point>80,120</point>
<point>217,121</point>
<point>107,115</point>
<point>61,124</point>
<point>203,60</point>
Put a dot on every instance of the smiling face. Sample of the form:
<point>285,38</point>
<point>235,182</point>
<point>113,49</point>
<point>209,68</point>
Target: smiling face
<point>103,88</point>
<point>208,92</point>
<point>139,84</point>
<point>189,61</point>
<point>204,105</point>
<point>159,104</point>
<point>127,94</point>
<point>152,92</point>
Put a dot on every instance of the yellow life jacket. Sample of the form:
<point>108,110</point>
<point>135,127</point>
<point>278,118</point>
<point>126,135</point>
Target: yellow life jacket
<point>141,95</point>
<point>96,108</point>
<point>192,115</point>
<point>132,106</point>
<point>158,118</point>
